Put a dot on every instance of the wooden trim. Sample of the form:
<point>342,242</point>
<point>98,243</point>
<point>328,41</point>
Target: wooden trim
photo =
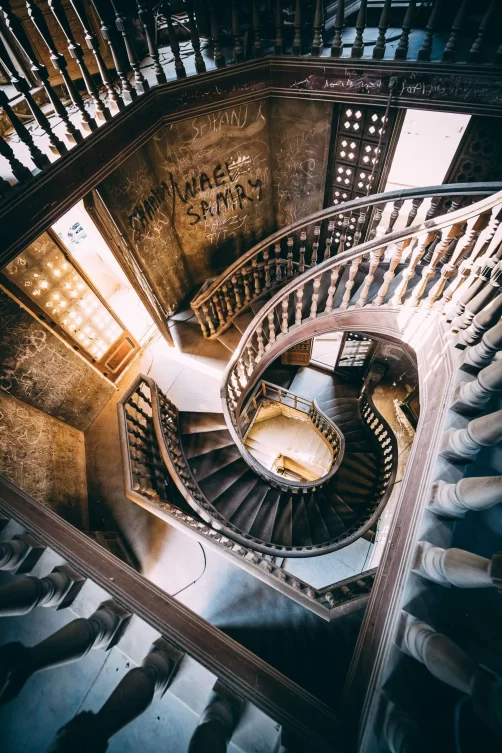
<point>314,723</point>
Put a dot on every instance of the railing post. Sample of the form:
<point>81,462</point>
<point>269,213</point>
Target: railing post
<point>454,500</point>
<point>21,173</point>
<point>462,445</point>
<point>490,290</point>
<point>68,644</point>
<point>173,40</point>
<point>219,57</point>
<point>133,695</point>
<point>57,590</point>
<point>218,722</point>
<point>297,40</point>
<point>456,567</point>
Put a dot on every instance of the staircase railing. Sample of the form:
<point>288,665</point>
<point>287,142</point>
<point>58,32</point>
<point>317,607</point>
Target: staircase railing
<point>113,42</point>
<point>118,593</point>
<point>307,243</point>
<point>161,488</point>
<point>430,266</point>
<point>266,392</point>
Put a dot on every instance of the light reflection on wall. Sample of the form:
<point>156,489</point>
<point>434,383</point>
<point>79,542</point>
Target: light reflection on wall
<point>44,274</point>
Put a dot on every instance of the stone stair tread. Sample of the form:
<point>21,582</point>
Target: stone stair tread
<point>206,441</point>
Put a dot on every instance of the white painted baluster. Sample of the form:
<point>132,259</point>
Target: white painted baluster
<point>335,273</point>
<point>284,319</point>
<point>456,567</point>
<point>271,328</point>
<point>250,363</point>
<point>209,318</point>
<point>396,257</point>
<point>315,297</point>
<point>480,355</point>
<point>470,397</point>
<point>454,500</point>
<point>409,273</point>
<point>430,270</point>
<point>375,257</point>
<point>247,286</point>
<point>464,444</point>
<point>298,307</point>
<point>256,275</point>
<point>354,267</point>
<point>375,223</point>
<point>261,345</point>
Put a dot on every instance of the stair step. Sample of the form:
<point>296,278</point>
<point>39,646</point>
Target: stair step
<point>213,486</point>
<point>332,520</point>
<point>338,402</point>
<point>257,305</point>
<point>205,465</point>
<point>343,509</point>
<point>301,527</point>
<point>194,422</point>
<point>230,338</point>
<point>361,464</point>
<point>244,517</point>
<point>199,444</point>
<point>229,501</point>
<point>355,478</point>
<point>318,529</point>
<point>283,528</point>
<point>242,321</point>
<point>348,425</point>
<point>263,524</point>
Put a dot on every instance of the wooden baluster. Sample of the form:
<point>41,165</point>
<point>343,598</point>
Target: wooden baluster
<point>266,268</point>
<point>375,223</point>
<point>483,321</point>
<point>476,51</point>
<point>20,171</point>
<point>255,21</point>
<point>236,33</point>
<point>343,234</point>
<point>482,354</point>
<point>247,284</point>
<point>299,303</point>
<point>451,45</point>
<point>394,215</point>
<point>66,645</point>
<point>415,206</point>
<point>453,567</point>
<point>56,590</point>
<point>462,250</point>
<point>470,397</point>
<point>383,25</point>
<point>480,301</point>
<point>284,317</point>
<point>455,500</point>
<point>424,52</point>
<point>337,46</point>
<point>317,43</point>
<point>354,267</point>
<point>59,63</point>
<point>409,273</point>
<point>402,47</point>
<point>93,44</point>
<point>228,303</point>
<point>375,257</point>
<point>329,240</point>
<point>271,328</point>
<point>301,263</point>
<point>315,245</point>
<point>75,50</point>
<point>335,273</point>
<point>200,66</point>
<point>123,24</point>
<point>259,339</point>
<point>289,267</point>
<point>434,207</point>
<point>430,270</point>
<point>16,30</point>
<point>237,291</point>
<point>209,318</point>
<point>358,46</point>
<point>256,276</point>
<point>447,271</point>
<point>20,554</point>
<point>359,227</point>
<point>38,158</point>
<point>315,297</point>
<point>278,270</point>
<point>279,42</point>
<point>109,34</point>
<point>250,355</point>
<point>297,41</point>
<point>242,372</point>
<point>148,23</point>
<point>219,57</point>
<point>217,722</point>
<point>464,444</point>
<point>135,692</point>
<point>173,40</point>
<point>201,322</point>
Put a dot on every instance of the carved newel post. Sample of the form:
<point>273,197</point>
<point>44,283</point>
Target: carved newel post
<point>218,722</point>
<point>90,732</point>
<point>73,641</point>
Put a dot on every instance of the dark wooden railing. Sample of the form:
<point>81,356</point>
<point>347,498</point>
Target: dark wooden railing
<point>213,37</point>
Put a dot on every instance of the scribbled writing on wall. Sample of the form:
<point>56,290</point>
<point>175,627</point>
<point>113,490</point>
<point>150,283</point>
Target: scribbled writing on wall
<point>234,195</point>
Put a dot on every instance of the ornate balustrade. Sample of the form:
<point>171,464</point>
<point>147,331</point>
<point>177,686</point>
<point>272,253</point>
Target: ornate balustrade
<point>100,595</point>
<point>163,488</point>
<point>212,39</point>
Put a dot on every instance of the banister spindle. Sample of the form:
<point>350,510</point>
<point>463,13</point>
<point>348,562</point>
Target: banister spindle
<point>271,327</point>
<point>109,34</point>
<point>394,215</point>
<point>390,273</point>
<point>315,245</point>
<point>93,44</point>
<point>297,40</point>
<point>409,273</point>
<point>335,273</point>
<point>337,46</point>
<point>471,397</point>
<point>299,303</point>
<point>124,27</point>
<point>301,262</point>
<point>148,23</point>
<point>430,269</point>
<point>358,45</point>
<point>401,733</point>
<point>315,296</point>
<point>383,25</point>
<point>464,444</point>
<point>20,554</point>
<point>349,284</point>
<point>219,57</point>
<point>20,171</point>
<point>75,50</point>
<point>16,30</point>
<point>375,257</point>
<point>415,206</point>
<point>375,221</point>
<point>289,262</point>
<point>493,281</point>
<point>279,41</point>
<point>56,590</point>
<point>284,315</point>
<point>424,52</point>
<point>317,43</point>
<point>456,567</point>
<point>173,40</point>
<point>476,51</point>
<point>68,644</point>
<point>329,239</point>
<point>455,500</point>
<point>217,722</point>
<point>278,270</point>
<point>450,262</point>
<point>236,33</point>
<point>59,63</point>
<point>480,355</point>
<point>200,66</point>
<point>91,731</point>
<point>458,22</point>
<point>255,22</point>
<point>38,158</point>
<point>402,47</point>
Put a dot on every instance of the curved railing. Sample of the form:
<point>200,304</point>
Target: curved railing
<point>428,266</point>
<point>291,251</point>
<point>200,39</point>
<point>268,392</point>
